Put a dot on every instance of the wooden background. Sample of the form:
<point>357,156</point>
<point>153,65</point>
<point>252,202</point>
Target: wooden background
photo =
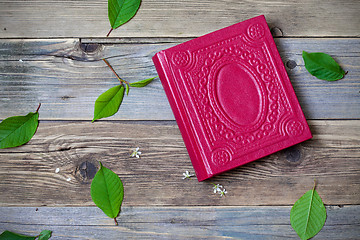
<point>51,51</point>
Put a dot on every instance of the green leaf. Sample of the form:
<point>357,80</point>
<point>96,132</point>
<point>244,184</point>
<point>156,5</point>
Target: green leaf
<point>322,66</point>
<point>308,215</point>
<point>127,89</point>
<point>121,11</point>
<point>7,235</point>
<point>142,83</point>
<point>45,235</point>
<point>108,103</point>
<point>107,192</point>
<point>18,130</point>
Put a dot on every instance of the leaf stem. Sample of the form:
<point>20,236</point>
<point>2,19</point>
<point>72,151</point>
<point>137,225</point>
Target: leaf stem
<point>109,32</point>
<point>37,110</point>
<point>108,64</point>
<point>314,184</point>
<point>116,222</point>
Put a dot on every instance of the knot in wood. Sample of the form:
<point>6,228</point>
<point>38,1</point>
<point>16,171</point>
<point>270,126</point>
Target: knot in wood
<point>291,64</point>
<point>86,171</point>
<point>292,154</point>
<point>276,32</point>
<point>89,47</point>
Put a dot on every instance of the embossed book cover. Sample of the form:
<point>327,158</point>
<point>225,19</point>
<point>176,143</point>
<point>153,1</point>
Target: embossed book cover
<point>231,97</point>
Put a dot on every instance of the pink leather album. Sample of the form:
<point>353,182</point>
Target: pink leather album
<point>231,97</point>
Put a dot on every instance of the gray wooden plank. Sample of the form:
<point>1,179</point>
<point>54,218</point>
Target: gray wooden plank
<point>76,18</point>
<point>67,80</point>
<point>175,222</point>
<point>28,178</point>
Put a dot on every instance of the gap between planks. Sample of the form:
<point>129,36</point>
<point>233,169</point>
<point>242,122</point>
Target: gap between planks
<point>161,40</point>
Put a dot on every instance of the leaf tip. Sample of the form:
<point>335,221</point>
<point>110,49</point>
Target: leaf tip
<point>304,54</point>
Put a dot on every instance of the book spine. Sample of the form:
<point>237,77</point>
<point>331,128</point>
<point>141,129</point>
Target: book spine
<point>166,78</point>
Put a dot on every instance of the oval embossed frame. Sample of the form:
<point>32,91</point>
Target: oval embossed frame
<point>238,95</point>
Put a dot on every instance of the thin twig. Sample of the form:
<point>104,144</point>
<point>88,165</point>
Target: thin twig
<point>121,80</point>
<point>109,32</point>
<point>116,222</point>
<point>37,110</point>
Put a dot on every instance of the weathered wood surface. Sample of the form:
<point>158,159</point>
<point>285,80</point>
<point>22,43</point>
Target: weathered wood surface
<point>194,222</point>
<point>175,222</point>
<point>75,18</point>
<point>67,80</point>
<point>28,178</point>
<point>67,77</point>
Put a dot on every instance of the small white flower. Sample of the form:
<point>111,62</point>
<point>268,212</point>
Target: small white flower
<point>136,153</point>
<point>219,189</point>
<point>223,192</point>
<point>187,175</point>
<point>57,170</point>
<point>68,179</point>
<point>20,60</point>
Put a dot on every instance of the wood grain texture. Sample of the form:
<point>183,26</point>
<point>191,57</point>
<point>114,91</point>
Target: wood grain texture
<point>42,60</point>
<point>76,18</point>
<point>67,77</point>
<point>28,178</point>
<point>175,222</point>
